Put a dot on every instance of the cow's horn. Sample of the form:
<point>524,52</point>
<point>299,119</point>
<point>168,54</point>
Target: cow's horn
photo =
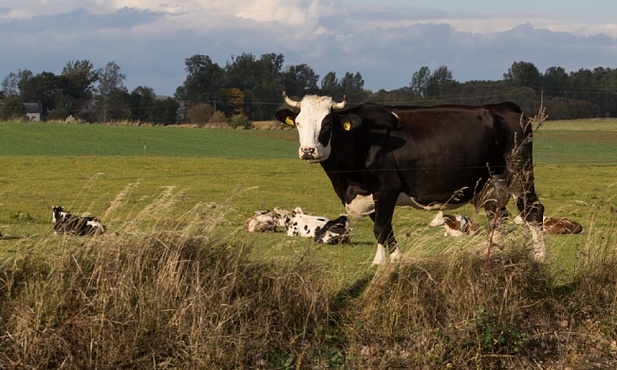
<point>291,103</point>
<point>340,105</point>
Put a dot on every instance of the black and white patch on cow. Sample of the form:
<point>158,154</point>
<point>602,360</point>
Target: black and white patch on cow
<point>455,224</point>
<point>304,225</point>
<point>66,223</point>
<point>379,157</point>
<point>334,231</point>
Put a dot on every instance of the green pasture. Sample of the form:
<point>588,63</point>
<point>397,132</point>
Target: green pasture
<point>141,141</point>
<point>86,167</point>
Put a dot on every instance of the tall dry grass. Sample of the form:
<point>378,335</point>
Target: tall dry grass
<point>158,293</point>
<point>164,292</point>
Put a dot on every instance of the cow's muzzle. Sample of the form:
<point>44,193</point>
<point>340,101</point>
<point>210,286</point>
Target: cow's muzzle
<point>307,153</point>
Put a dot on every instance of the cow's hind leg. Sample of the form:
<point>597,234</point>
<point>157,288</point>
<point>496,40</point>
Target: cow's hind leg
<point>494,199</point>
<point>527,202</point>
<point>532,211</point>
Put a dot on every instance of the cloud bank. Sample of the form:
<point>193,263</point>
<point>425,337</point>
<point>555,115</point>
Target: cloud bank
<point>386,44</point>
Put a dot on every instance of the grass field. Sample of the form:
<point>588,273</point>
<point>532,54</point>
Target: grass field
<point>84,167</point>
<point>158,295</point>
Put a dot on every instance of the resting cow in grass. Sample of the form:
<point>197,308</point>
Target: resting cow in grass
<point>321,229</point>
<point>557,226</point>
<point>269,221</point>
<point>66,223</point>
<point>455,225</point>
<point>441,157</point>
<point>333,232</point>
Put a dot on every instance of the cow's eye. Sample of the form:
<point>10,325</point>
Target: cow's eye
<point>298,124</point>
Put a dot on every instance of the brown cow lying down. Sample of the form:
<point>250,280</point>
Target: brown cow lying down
<point>557,225</point>
<point>455,225</point>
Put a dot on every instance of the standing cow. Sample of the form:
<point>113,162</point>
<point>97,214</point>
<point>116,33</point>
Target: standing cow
<point>441,157</point>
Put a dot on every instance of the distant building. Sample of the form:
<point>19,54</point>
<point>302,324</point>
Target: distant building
<point>33,110</point>
<point>84,110</point>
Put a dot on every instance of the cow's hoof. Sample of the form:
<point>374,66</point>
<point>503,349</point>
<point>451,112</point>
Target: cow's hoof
<point>539,256</point>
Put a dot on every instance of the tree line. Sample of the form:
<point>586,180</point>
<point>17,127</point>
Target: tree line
<point>249,88</point>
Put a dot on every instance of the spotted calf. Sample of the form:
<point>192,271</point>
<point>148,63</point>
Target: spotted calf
<point>561,226</point>
<point>66,223</point>
<point>557,226</point>
<point>455,225</point>
<point>304,225</point>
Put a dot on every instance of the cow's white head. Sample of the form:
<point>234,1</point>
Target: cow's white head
<point>314,139</point>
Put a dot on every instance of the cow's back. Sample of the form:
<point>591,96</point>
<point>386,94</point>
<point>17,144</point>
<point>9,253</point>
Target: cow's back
<point>457,147</point>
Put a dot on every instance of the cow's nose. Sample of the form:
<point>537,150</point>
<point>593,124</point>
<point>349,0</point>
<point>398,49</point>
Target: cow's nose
<point>308,153</point>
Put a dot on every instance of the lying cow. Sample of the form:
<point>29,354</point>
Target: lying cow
<point>268,221</point>
<point>319,228</point>
<point>333,232</point>
<point>66,223</point>
<point>455,225</point>
<point>556,226</point>
<point>260,222</point>
<point>300,224</point>
<point>561,226</point>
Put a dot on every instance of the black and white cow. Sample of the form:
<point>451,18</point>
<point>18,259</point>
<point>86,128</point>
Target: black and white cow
<point>455,224</point>
<point>441,157</point>
<point>333,232</point>
<point>304,225</point>
<point>66,223</point>
<point>321,229</point>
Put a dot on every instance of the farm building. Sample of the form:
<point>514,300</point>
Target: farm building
<point>33,110</point>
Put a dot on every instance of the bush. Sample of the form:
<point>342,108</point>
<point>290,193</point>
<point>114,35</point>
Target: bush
<point>218,117</point>
<point>58,114</point>
<point>12,109</point>
<point>240,121</point>
<point>200,113</point>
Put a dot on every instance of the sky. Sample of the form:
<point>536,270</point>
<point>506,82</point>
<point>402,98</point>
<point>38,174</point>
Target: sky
<point>386,41</point>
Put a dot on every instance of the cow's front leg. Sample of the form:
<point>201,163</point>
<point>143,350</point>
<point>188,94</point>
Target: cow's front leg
<point>386,242</point>
<point>384,234</point>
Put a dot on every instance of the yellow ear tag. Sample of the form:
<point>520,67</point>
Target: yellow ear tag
<point>347,126</point>
<point>289,121</point>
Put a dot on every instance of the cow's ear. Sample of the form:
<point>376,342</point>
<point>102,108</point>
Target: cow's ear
<point>286,117</point>
<point>350,122</point>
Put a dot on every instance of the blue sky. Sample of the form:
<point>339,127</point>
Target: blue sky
<point>386,41</point>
